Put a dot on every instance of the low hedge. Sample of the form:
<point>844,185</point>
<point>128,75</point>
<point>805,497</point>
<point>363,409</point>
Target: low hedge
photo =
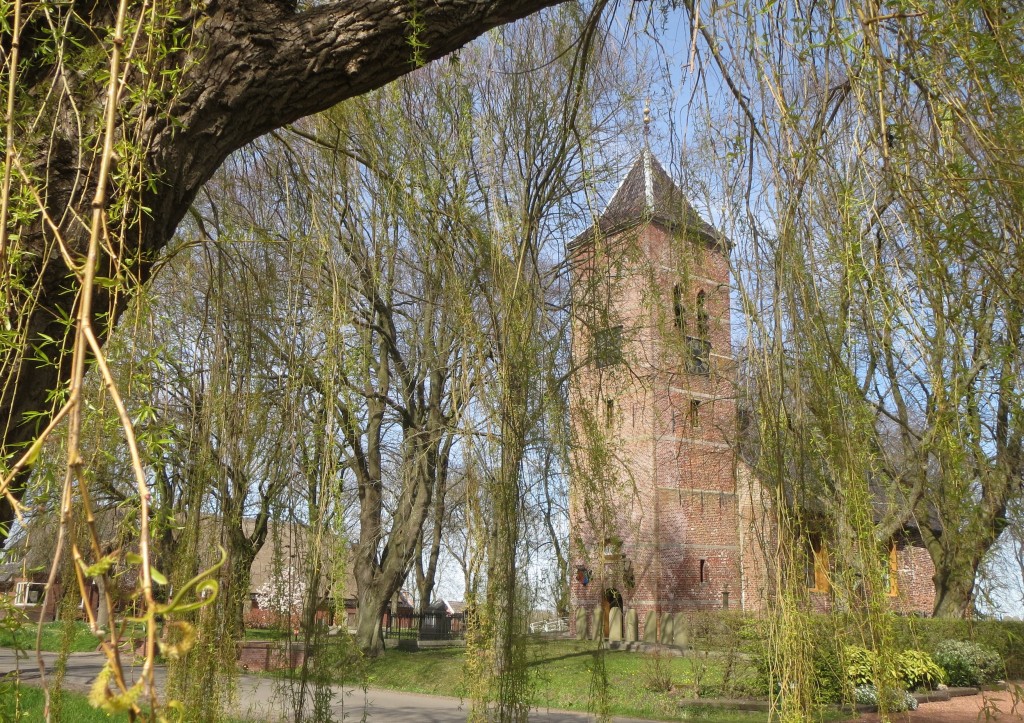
<point>723,631</point>
<point>1006,637</point>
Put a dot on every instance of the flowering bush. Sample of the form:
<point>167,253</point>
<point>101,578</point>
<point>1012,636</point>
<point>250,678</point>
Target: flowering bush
<point>968,664</point>
<point>901,700</point>
<point>285,594</point>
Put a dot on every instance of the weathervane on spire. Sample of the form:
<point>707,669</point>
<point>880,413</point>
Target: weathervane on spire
<point>647,120</point>
<point>646,154</point>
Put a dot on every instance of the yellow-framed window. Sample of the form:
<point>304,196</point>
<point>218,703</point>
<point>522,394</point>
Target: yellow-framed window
<point>892,582</point>
<point>817,565</point>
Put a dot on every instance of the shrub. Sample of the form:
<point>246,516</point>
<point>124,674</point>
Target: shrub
<point>828,679</point>
<point>860,665</point>
<point>656,673</point>
<point>717,630</point>
<point>968,664</point>
<point>828,675</point>
<point>1006,637</point>
<point>257,619</point>
<point>916,669</point>
<point>865,695</point>
<point>899,701</point>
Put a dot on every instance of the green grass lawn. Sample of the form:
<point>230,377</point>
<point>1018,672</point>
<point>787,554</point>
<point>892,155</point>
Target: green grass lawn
<point>80,639</point>
<point>76,633</point>
<point>573,675</point>
<point>267,634</point>
<point>28,702</point>
<point>27,705</point>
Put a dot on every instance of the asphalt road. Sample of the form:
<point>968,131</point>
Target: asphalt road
<point>271,699</point>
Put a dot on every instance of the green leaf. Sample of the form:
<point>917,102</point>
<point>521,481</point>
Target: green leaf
<point>187,639</point>
<point>100,568</point>
<point>158,577</point>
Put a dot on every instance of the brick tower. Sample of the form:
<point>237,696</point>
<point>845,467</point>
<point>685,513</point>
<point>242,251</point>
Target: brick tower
<point>658,523</point>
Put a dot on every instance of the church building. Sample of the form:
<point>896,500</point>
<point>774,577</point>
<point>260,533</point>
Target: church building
<point>664,518</point>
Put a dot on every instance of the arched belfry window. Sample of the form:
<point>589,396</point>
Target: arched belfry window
<point>703,326</point>
<point>677,307</point>
<point>699,347</point>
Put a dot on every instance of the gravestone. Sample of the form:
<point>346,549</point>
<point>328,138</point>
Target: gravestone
<point>667,629</point>
<point>650,627</point>
<point>596,633</point>
<point>681,636</point>
<point>581,623</point>
<point>631,623</point>
<point>615,624</point>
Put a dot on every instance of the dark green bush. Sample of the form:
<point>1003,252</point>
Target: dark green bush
<point>716,630</point>
<point>828,679</point>
<point>1006,637</point>
<point>968,664</point>
<point>828,667</point>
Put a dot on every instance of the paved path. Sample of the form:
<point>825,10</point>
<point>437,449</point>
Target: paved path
<point>997,706</point>
<point>269,699</point>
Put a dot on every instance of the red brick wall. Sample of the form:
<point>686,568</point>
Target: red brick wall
<point>258,655</point>
<point>915,588</point>
<point>673,493</point>
<point>668,492</point>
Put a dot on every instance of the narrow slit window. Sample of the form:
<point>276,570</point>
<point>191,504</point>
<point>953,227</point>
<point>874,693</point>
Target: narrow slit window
<point>677,307</point>
<point>703,322</point>
<point>703,571</point>
<point>694,412</point>
<point>609,412</point>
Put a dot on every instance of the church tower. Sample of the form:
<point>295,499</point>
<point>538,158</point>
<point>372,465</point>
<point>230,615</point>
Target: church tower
<point>657,521</point>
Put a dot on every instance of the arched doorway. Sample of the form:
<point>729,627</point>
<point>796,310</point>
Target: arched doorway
<point>612,599</point>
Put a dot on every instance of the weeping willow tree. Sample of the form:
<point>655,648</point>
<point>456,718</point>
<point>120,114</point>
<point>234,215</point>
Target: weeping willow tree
<point>868,162</point>
<point>870,159</point>
<point>116,115</point>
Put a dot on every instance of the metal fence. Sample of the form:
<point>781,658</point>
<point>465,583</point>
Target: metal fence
<point>426,626</point>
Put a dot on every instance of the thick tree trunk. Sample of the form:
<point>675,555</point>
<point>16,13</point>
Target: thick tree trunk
<point>369,637</point>
<point>239,574</point>
<point>953,594</point>
<point>252,66</point>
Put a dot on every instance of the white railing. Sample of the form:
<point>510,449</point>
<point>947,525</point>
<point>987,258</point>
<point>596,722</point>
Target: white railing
<point>554,625</point>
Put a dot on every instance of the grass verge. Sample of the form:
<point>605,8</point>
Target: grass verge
<point>81,640</point>
<point>579,676</point>
<point>26,704</point>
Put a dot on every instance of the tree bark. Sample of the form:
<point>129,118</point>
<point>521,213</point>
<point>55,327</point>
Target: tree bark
<point>369,637</point>
<point>251,66</point>
<point>954,589</point>
<point>426,576</point>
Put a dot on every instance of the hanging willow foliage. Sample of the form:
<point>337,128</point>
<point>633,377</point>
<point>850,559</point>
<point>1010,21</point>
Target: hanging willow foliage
<point>867,158</point>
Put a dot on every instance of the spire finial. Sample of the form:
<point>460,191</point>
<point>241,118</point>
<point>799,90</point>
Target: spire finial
<point>647,118</point>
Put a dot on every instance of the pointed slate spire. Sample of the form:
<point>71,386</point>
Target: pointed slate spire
<point>648,194</point>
